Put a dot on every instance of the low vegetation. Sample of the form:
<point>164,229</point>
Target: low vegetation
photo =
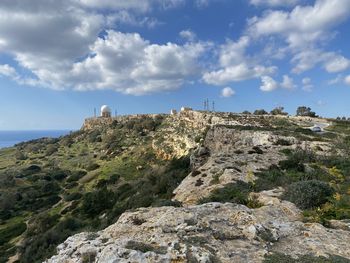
<point>53,188</point>
<point>277,258</point>
<point>320,185</point>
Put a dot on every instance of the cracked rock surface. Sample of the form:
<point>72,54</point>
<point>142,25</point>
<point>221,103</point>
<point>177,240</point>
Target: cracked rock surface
<point>211,232</point>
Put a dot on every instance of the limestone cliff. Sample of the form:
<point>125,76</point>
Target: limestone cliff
<point>224,149</point>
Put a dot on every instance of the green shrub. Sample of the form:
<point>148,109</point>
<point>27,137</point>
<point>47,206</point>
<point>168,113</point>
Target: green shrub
<point>283,142</point>
<point>72,196</point>
<point>12,231</point>
<point>20,155</point>
<point>309,194</point>
<point>76,175</point>
<point>51,149</point>
<point>304,131</point>
<point>297,159</point>
<point>92,166</point>
<point>279,257</point>
<point>271,178</point>
<point>234,193</point>
<point>98,201</point>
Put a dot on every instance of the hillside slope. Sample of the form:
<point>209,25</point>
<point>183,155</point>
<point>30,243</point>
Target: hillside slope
<point>54,188</point>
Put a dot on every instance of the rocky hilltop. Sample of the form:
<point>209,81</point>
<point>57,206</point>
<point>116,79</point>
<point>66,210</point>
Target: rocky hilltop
<point>192,187</point>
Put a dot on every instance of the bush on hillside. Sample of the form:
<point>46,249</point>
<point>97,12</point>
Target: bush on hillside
<point>308,194</point>
<point>96,202</point>
<point>234,193</point>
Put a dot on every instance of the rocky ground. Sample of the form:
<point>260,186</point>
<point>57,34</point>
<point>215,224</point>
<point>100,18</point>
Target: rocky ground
<point>229,155</point>
<point>216,232</point>
<point>212,232</point>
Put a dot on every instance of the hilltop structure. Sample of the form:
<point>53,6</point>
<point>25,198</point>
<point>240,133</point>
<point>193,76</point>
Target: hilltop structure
<point>106,111</point>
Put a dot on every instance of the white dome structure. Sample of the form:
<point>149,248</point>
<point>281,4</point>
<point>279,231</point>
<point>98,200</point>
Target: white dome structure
<point>106,111</point>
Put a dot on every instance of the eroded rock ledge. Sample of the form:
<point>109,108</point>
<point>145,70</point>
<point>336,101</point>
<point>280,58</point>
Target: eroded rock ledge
<point>211,232</point>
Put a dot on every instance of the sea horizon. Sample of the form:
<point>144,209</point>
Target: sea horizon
<point>9,138</point>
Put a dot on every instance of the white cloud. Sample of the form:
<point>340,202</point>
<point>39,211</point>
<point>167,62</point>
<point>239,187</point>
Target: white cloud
<point>309,58</point>
<point>235,65</point>
<point>288,83</point>
<point>337,64</point>
<point>268,84</point>
<point>126,17</point>
<point>236,73</point>
<point>46,37</point>
<point>136,5</point>
<point>347,80</point>
<point>227,92</point>
<point>59,44</point>
<point>307,84</point>
<point>304,24</point>
<point>338,79</point>
<point>188,35</point>
<point>305,29</point>
<point>129,64</point>
<point>8,71</point>
<point>274,3</point>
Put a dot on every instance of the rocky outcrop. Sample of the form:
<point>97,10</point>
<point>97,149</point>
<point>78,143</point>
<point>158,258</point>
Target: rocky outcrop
<point>211,232</point>
<point>230,155</point>
<point>223,150</point>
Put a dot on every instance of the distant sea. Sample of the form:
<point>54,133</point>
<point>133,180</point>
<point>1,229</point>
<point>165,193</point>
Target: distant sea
<point>10,138</point>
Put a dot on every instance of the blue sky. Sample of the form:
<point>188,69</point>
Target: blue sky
<point>60,59</point>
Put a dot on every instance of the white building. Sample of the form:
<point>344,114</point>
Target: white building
<point>106,111</point>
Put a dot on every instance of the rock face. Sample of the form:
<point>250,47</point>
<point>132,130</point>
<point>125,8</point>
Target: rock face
<point>229,155</point>
<point>211,232</point>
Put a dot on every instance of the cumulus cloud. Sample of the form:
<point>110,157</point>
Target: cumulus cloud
<point>268,84</point>
<point>274,3</point>
<point>336,64</point>
<point>62,46</point>
<point>304,24</point>
<point>330,61</point>
<point>235,65</point>
<point>127,63</point>
<point>188,35</point>
<point>227,92</point>
<point>304,30</point>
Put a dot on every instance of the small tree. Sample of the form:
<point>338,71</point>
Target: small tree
<point>305,111</point>
<point>246,112</point>
<point>278,111</point>
<point>260,112</point>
